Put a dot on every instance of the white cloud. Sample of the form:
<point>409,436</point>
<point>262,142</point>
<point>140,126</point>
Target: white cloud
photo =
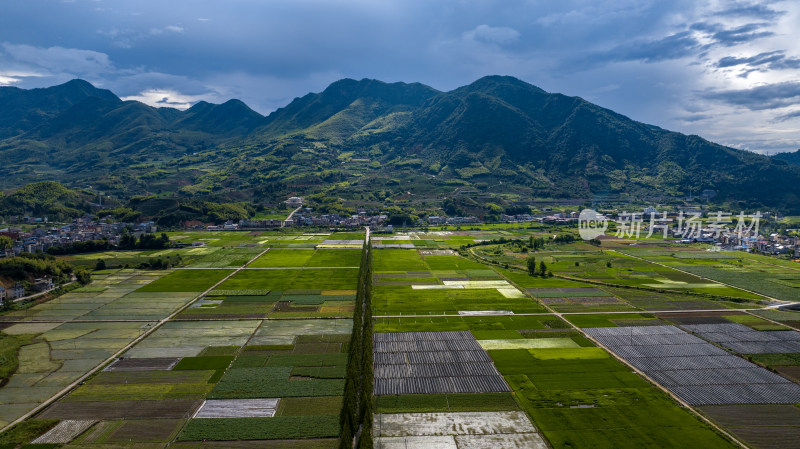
<point>10,77</point>
<point>8,80</point>
<point>167,29</point>
<point>492,35</point>
<point>165,98</point>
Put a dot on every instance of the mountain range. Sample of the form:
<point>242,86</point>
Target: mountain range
<point>367,142</point>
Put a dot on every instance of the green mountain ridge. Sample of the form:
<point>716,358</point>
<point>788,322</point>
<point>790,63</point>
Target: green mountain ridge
<point>792,158</point>
<point>498,139</point>
<point>48,199</point>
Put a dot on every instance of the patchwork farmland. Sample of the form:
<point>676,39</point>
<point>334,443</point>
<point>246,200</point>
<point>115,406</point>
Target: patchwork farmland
<point>245,341</point>
<point>288,340</point>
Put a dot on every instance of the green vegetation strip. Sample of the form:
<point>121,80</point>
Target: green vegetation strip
<point>451,402</point>
<point>356,416</point>
<point>279,427</point>
<point>270,382</point>
<point>776,359</point>
<point>9,354</point>
<point>26,431</point>
<point>218,363</point>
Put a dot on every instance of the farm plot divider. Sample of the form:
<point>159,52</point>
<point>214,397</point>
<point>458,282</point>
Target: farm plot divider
<point>356,414</point>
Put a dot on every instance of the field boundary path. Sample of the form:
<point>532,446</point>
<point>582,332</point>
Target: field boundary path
<point>283,223</point>
<point>270,268</point>
<point>36,295</point>
<point>110,359</point>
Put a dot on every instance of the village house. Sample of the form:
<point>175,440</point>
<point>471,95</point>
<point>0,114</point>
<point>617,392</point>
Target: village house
<point>43,284</point>
<point>294,201</point>
<point>17,291</point>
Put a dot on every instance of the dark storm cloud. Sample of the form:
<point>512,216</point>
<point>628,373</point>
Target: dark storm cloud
<point>675,46</point>
<point>757,11</point>
<point>741,34</point>
<point>789,116</point>
<point>759,59</point>
<point>775,60</point>
<point>769,96</point>
<point>691,118</point>
<point>719,35</point>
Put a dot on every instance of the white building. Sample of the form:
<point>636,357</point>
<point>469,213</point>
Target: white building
<point>294,201</point>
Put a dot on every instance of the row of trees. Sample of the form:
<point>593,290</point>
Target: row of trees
<point>541,270</point>
<point>127,241</point>
<point>146,241</point>
<point>89,246</point>
<point>356,417</point>
<point>26,266</point>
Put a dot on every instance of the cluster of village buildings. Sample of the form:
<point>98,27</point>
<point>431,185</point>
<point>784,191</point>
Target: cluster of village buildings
<point>84,229</point>
<point>42,238</point>
<point>18,290</point>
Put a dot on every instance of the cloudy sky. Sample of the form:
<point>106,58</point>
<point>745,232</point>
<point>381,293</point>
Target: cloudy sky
<point>726,70</point>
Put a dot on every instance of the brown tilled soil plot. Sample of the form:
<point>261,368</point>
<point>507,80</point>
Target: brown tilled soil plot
<point>148,377</point>
<point>146,430</point>
<point>753,415</point>
<point>582,300</point>
<point>761,426</point>
<point>154,364</point>
<point>794,324</point>
<point>317,348</point>
<point>698,317</point>
<point>635,322</point>
<point>286,306</point>
<point>792,372</point>
<point>177,408</point>
<point>326,443</point>
<point>345,310</point>
<point>764,437</point>
<point>231,316</point>
<point>430,282</point>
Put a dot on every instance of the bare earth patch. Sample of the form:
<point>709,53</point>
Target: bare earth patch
<point>64,432</point>
<point>469,430</point>
<point>237,408</point>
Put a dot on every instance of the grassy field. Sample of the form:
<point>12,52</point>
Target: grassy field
<point>279,258</point>
<point>214,238</point>
<point>9,353</point>
<point>186,281</point>
<point>768,276</point>
<point>277,428</point>
<point>585,399</point>
<point>292,279</point>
